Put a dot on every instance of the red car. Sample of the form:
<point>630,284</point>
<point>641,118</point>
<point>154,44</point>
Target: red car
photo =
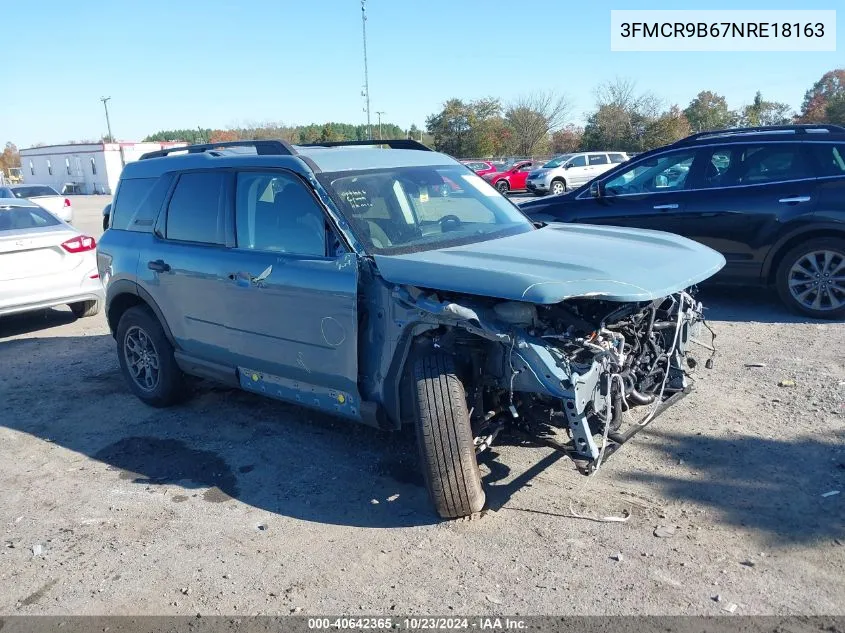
<point>480,167</point>
<point>513,178</point>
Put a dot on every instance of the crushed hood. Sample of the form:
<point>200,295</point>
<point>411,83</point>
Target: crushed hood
<point>561,261</point>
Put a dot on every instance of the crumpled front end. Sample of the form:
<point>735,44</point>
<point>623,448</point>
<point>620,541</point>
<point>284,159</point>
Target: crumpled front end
<point>584,375</point>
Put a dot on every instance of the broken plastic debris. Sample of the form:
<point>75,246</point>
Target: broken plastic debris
<point>755,365</point>
<point>37,549</point>
<point>730,608</point>
<point>786,383</point>
<point>831,493</point>
<point>664,531</point>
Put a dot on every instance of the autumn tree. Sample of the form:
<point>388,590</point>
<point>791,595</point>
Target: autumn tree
<point>816,100</point>
<point>566,140</point>
<point>709,111</point>
<point>835,110</point>
<point>669,127</point>
<point>621,118</point>
<point>533,118</point>
<point>10,158</point>
<point>223,136</point>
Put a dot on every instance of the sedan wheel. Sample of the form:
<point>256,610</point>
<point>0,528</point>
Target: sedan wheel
<point>811,278</point>
<point>503,186</point>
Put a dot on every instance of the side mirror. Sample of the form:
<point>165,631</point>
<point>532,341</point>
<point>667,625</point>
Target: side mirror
<point>567,165</point>
<point>595,189</point>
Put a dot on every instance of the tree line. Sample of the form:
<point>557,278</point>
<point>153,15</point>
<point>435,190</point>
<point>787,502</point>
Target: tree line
<point>623,119</point>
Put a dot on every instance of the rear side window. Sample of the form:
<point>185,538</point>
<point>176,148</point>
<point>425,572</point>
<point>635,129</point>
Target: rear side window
<point>617,158</point>
<point>830,158</point>
<point>25,218</point>
<point>598,159</point>
<point>195,213</point>
<point>134,209</point>
<point>737,165</point>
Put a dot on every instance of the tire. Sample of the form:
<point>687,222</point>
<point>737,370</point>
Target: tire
<point>814,298</point>
<point>503,187</point>
<point>105,223</point>
<point>141,325</point>
<point>444,438</point>
<point>558,187</point>
<point>83,309</point>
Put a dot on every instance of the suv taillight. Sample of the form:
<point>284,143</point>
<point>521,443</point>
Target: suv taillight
<point>80,244</point>
<point>67,202</point>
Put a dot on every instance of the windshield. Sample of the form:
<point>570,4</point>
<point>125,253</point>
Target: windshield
<point>408,209</point>
<point>557,161</point>
<point>34,191</point>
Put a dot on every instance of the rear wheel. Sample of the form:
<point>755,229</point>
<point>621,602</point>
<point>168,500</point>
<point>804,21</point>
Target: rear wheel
<point>444,438</point>
<point>82,309</point>
<point>811,278</point>
<point>503,186</point>
<point>558,187</point>
<point>146,358</point>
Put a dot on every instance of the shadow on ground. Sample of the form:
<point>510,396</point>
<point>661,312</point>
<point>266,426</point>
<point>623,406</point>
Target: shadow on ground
<point>30,322</point>
<point>760,305</point>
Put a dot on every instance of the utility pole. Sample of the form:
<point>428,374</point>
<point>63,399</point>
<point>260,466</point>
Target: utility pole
<point>379,113</point>
<point>366,75</point>
<point>105,101</point>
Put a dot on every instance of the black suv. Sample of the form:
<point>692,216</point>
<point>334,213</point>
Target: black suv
<point>770,199</point>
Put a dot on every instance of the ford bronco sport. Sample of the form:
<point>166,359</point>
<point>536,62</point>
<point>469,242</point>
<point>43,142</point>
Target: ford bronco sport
<point>348,278</point>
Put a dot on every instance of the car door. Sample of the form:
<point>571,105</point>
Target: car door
<point>183,265</point>
<point>575,171</point>
<point>519,174</point>
<point>745,194</point>
<point>651,193</point>
<point>292,308</point>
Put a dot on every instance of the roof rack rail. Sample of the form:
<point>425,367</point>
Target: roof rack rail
<point>264,147</point>
<point>802,128</point>
<point>398,143</point>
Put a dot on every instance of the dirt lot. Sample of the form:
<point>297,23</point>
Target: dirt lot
<point>238,505</point>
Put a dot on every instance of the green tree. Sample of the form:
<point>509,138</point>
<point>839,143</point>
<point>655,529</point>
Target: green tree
<point>816,100</point>
<point>835,110</point>
<point>467,129</point>
<point>669,127</point>
<point>762,112</point>
<point>709,111</point>
<point>621,117</point>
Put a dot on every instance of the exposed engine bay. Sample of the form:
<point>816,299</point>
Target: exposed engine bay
<point>596,371</point>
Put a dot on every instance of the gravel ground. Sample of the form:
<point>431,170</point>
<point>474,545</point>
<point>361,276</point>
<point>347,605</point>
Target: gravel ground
<point>238,505</point>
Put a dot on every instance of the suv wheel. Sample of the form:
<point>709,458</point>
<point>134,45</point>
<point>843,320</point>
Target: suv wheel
<point>503,186</point>
<point>558,187</point>
<point>811,278</point>
<point>444,438</point>
<point>146,358</point>
<point>82,309</point>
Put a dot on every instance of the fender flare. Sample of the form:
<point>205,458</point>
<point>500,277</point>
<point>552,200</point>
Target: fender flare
<point>125,286</point>
<point>814,229</point>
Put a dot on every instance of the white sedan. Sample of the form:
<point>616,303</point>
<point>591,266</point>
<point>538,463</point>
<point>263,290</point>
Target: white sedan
<point>45,262</point>
<point>43,196</point>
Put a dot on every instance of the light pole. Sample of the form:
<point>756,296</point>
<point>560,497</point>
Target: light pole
<point>379,113</point>
<point>366,75</point>
<point>105,101</point>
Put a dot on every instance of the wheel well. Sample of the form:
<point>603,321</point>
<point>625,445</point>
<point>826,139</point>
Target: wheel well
<point>119,305</point>
<point>792,243</point>
<point>559,179</point>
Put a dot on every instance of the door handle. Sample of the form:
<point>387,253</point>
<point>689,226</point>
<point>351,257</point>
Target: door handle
<point>159,265</point>
<point>795,199</point>
<point>663,207</point>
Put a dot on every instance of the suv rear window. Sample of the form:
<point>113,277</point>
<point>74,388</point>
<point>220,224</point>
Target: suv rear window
<point>194,213</point>
<point>34,191</point>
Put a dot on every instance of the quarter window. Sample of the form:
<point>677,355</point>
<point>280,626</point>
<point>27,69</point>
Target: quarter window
<point>195,213</point>
<point>275,212</point>
<point>617,158</point>
<point>598,159</point>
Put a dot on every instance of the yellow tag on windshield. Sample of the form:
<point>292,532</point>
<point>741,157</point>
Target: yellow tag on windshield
<point>423,196</point>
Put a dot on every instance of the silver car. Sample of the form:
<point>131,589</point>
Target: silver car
<point>42,195</point>
<point>45,262</point>
<point>570,171</point>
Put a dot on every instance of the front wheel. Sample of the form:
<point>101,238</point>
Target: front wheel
<point>503,186</point>
<point>811,278</point>
<point>558,187</point>
<point>444,438</point>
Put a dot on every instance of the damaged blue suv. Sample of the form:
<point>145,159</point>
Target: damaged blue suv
<point>388,284</point>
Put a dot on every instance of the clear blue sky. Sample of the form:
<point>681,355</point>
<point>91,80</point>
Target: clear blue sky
<point>214,63</point>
